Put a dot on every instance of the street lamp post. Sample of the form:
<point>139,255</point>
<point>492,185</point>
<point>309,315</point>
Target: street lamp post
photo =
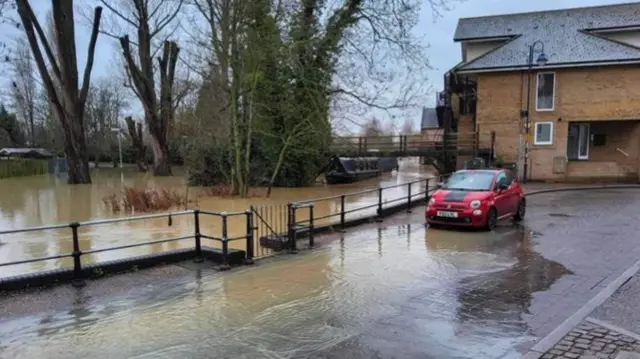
<point>541,61</point>
<point>118,132</point>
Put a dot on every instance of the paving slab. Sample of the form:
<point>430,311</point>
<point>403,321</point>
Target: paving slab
<point>622,309</point>
<point>594,339</point>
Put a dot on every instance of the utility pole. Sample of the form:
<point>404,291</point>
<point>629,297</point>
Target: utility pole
<point>118,132</point>
<point>541,61</point>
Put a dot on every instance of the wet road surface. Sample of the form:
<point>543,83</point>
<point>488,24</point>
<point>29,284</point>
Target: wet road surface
<point>396,291</point>
<point>390,290</point>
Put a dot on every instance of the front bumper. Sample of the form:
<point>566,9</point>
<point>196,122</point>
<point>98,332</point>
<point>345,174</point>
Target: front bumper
<point>465,217</point>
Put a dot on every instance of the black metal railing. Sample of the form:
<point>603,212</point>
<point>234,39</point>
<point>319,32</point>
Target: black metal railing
<point>282,221</point>
<point>297,226</point>
<point>197,236</point>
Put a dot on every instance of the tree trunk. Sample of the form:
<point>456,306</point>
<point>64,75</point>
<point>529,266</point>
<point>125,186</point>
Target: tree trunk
<point>75,150</point>
<point>276,170</point>
<point>161,164</point>
<point>135,132</point>
<point>63,91</point>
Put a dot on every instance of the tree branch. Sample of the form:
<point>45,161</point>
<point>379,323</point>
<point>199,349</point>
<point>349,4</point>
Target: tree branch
<point>86,78</point>
<point>162,23</point>
<point>33,20</point>
<point>362,100</point>
<point>30,22</point>
<point>119,14</point>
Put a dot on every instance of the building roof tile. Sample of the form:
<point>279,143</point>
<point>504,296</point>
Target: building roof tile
<point>565,34</point>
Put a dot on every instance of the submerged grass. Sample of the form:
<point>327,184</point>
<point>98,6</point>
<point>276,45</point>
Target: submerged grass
<point>222,190</point>
<point>132,199</point>
<point>144,200</point>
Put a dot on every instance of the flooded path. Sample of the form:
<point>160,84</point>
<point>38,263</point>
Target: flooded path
<point>45,200</point>
<point>398,291</point>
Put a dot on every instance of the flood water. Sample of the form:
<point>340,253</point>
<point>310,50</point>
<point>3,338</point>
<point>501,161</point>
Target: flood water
<point>46,200</point>
<point>455,295</point>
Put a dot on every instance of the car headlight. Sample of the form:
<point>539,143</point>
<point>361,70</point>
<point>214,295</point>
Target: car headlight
<point>432,201</point>
<point>474,204</point>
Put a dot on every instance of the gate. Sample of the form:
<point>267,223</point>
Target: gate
<point>277,227</point>
<point>270,225</point>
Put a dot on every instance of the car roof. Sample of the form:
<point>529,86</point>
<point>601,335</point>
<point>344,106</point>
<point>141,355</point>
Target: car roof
<point>491,170</point>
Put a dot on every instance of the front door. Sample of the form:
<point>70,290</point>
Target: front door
<point>578,141</point>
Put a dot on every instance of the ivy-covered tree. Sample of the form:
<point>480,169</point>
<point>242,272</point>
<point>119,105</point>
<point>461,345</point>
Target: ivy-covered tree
<point>11,134</point>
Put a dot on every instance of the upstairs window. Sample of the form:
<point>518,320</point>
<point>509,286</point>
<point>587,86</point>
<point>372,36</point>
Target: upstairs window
<point>545,91</point>
<point>543,134</point>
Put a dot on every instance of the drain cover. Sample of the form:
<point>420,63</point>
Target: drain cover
<point>559,215</point>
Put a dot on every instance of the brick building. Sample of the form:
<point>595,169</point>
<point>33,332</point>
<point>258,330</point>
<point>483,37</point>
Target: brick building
<point>583,70</point>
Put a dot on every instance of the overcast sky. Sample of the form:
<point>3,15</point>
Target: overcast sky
<point>443,53</point>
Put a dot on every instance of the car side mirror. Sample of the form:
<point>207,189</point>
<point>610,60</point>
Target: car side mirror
<point>439,185</point>
<point>502,186</point>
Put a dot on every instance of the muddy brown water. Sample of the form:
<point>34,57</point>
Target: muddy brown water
<point>455,295</point>
<point>46,200</point>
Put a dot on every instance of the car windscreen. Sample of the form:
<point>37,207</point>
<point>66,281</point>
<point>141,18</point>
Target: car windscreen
<point>469,181</point>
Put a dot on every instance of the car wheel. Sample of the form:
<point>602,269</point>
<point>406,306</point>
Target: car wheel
<point>522,209</point>
<point>492,219</point>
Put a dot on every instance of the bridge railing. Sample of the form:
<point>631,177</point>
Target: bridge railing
<point>408,143</point>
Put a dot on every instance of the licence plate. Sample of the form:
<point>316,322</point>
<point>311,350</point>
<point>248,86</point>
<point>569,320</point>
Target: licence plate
<point>447,214</point>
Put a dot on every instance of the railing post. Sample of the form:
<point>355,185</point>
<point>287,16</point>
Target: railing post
<point>78,278</point>
<point>342,214</point>
<point>197,236</point>
<point>379,210</point>
<point>289,221</point>
<point>249,255</point>
<point>409,197</point>
<point>292,228</point>
<point>426,190</point>
<point>225,244</point>
<point>311,225</point>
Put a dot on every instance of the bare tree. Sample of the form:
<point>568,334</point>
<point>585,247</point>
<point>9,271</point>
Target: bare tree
<point>104,106</point>
<point>373,127</point>
<point>25,87</point>
<point>69,99</point>
<point>158,103</point>
<point>408,127</point>
<point>383,65</point>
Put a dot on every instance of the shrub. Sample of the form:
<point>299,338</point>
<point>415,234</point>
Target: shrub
<point>22,167</point>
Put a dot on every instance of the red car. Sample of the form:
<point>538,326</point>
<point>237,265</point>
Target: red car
<point>476,198</point>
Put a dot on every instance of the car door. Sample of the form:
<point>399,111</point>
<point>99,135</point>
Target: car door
<point>501,198</point>
<point>512,192</point>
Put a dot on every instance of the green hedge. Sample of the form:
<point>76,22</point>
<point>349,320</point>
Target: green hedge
<point>22,167</point>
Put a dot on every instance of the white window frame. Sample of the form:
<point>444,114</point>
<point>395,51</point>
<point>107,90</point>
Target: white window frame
<point>535,133</point>
<point>553,96</point>
<point>586,127</point>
